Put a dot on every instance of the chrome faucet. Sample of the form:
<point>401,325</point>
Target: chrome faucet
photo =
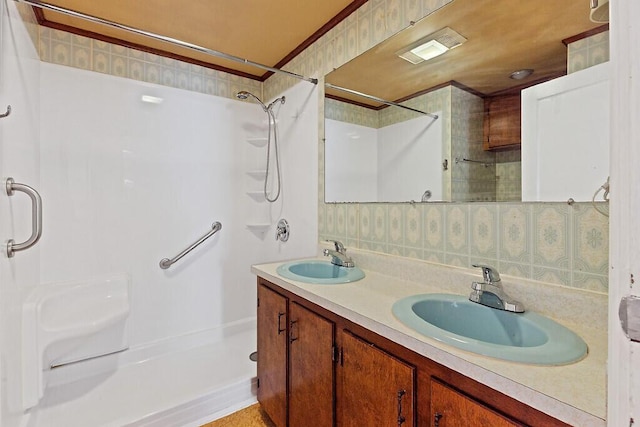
<point>339,256</point>
<point>490,292</point>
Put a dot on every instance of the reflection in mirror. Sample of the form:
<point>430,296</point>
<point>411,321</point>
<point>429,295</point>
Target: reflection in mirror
<point>393,162</point>
<point>470,88</point>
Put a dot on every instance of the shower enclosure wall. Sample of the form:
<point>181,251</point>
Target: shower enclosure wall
<point>124,184</point>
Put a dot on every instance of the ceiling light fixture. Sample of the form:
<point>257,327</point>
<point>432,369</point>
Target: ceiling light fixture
<point>521,74</point>
<point>429,50</point>
<point>431,46</point>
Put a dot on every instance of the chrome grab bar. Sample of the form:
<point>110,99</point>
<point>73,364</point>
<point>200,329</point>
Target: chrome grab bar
<point>166,262</point>
<point>485,164</point>
<point>36,216</point>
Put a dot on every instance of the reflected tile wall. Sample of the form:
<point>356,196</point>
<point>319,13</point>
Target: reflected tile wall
<point>509,175</point>
<point>588,52</point>
<point>470,181</point>
<point>350,113</point>
<point>436,101</point>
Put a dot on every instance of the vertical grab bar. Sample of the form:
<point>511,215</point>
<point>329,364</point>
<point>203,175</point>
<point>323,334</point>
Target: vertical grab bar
<point>36,216</point>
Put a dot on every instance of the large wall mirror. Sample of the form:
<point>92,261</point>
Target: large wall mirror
<point>380,153</point>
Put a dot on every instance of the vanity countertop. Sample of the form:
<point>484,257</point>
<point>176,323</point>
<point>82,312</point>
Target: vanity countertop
<point>575,393</point>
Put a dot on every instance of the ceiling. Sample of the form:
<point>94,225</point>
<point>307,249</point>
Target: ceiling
<point>266,32</point>
<point>503,35</point>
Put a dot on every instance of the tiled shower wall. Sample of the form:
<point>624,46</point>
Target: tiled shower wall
<point>553,242</point>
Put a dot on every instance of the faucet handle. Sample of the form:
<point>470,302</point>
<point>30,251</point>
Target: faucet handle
<point>489,274</point>
<point>477,286</point>
<point>339,246</point>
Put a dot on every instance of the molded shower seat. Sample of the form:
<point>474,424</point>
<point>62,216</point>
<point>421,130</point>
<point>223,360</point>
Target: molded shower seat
<point>69,322</point>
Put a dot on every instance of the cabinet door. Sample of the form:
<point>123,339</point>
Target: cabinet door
<point>450,408</point>
<point>565,136</point>
<point>502,122</point>
<point>272,354</point>
<point>310,369</point>
<point>374,387</point>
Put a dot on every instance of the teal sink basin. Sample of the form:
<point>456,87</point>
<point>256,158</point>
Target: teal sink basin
<point>518,337</point>
<point>319,272</point>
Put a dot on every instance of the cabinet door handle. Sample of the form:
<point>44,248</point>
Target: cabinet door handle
<point>436,419</point>
<point>401,419</point>
<point>291,337</point>
<point>280,328</point>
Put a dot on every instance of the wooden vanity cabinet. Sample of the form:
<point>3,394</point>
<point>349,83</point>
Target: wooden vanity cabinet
<point>329,371</point>
<point>311,373</point>
<point>375,388</point>
<point>272,354</point>
<point>296,355</point>
<point>502,122</point>
<point>450,408</point>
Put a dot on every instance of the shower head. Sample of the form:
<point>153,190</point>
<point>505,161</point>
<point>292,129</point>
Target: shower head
<point>243,94</point>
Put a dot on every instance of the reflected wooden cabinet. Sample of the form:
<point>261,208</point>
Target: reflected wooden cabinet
<point>450,408</point>
<point>502,122</point>
<point>374,387</point>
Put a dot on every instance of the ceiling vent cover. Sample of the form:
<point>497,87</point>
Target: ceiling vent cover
<point>442,40</point>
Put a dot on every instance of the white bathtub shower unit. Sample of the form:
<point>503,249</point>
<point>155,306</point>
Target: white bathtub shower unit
<point>193,325</point>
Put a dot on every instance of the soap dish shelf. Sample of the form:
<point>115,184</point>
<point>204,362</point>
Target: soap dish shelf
<point>259,229</point>
<point>258,196</point>
<point>257,141</point>
<point>257,174</point>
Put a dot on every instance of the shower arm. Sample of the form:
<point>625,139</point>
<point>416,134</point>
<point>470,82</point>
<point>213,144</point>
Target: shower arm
<point>177,42</point>
<point>281,100</point>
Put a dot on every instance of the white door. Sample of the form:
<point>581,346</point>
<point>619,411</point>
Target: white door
<point>19,154</point>
<point>624,278</point>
